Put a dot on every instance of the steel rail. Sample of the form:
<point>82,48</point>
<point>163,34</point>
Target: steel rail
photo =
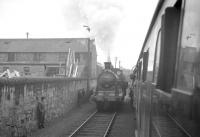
<point>72,134</point>
<point>105,132</point>
<point>179,126</point>
<point>110,125</point>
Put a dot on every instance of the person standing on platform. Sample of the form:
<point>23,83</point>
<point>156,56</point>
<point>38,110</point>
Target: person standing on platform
<point>79,98</point>
<point>124,88</point>
<point>40,113</point>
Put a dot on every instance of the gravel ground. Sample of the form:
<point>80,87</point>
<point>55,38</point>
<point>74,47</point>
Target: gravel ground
<point>62,126</point>
<point>125,123</point>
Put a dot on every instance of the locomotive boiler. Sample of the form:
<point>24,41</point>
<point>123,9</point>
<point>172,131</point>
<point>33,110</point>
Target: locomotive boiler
<point>110,88</point>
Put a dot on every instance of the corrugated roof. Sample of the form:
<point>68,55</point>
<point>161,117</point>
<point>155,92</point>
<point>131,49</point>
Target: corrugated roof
<point>44,45</point>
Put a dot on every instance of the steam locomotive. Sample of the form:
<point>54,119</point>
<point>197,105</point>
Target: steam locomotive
<point>111,88</point>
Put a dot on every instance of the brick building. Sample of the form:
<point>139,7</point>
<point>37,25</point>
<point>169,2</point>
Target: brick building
<point>46,57</point>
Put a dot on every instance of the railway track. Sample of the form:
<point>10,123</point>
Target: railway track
<point>97,125</point>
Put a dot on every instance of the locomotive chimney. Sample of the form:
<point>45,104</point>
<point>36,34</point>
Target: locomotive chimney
<point>107,65</point>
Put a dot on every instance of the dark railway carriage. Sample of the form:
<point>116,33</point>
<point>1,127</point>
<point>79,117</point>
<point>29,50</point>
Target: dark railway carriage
<point>109,92</point>
<point>167,74</point>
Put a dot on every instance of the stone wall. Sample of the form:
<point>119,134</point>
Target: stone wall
<point>18,101</point>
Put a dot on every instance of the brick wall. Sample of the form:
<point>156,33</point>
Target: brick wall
<point>18,101</point>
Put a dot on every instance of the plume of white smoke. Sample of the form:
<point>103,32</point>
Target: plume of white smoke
<point>103,17</point>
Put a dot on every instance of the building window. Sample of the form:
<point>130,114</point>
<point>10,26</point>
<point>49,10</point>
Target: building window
<point>52,71</point>
<point>77,57</point>
<point>36,57</point>
<point>11,56</point>
<point>62,57</point>
<point>27,70</point>
<point>5,68</point>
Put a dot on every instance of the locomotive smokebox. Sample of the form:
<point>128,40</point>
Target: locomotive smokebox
<point>107,65</point>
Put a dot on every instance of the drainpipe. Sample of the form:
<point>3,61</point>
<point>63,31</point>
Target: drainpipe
<point>89,65</point>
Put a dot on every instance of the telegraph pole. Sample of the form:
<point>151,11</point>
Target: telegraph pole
<point>27,34</point>
<point>89,60</point>
<point>115,62</point>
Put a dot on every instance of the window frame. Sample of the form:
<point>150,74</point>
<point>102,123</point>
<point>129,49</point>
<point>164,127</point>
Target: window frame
<point>155,54</point>
<point>28,72</point>
<point>11,57</point>
<point>169,44</point>
<point>5,68</point>
<point>145,59</point>
<point>77,57</point>
<point>36,57</point>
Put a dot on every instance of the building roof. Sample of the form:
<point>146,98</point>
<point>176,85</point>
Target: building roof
<point>45,45</point>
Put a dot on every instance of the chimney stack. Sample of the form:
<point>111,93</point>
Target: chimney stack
<point>107,65</point>
<point>27,34</point>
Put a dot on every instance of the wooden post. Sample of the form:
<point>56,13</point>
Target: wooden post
<point>89,66</point>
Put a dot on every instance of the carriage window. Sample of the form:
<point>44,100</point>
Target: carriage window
<point>140,70</point>
<point>145,65</point>
<point>157,57</point>
<point>169,37</point>
<point>189,64</point>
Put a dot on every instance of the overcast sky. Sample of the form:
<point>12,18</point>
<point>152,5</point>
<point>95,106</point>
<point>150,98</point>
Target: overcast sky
<point>118,26</point>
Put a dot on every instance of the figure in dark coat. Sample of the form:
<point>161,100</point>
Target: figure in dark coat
<point>79,98</point>
<point>124,87</point>
<point>40,113</point>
